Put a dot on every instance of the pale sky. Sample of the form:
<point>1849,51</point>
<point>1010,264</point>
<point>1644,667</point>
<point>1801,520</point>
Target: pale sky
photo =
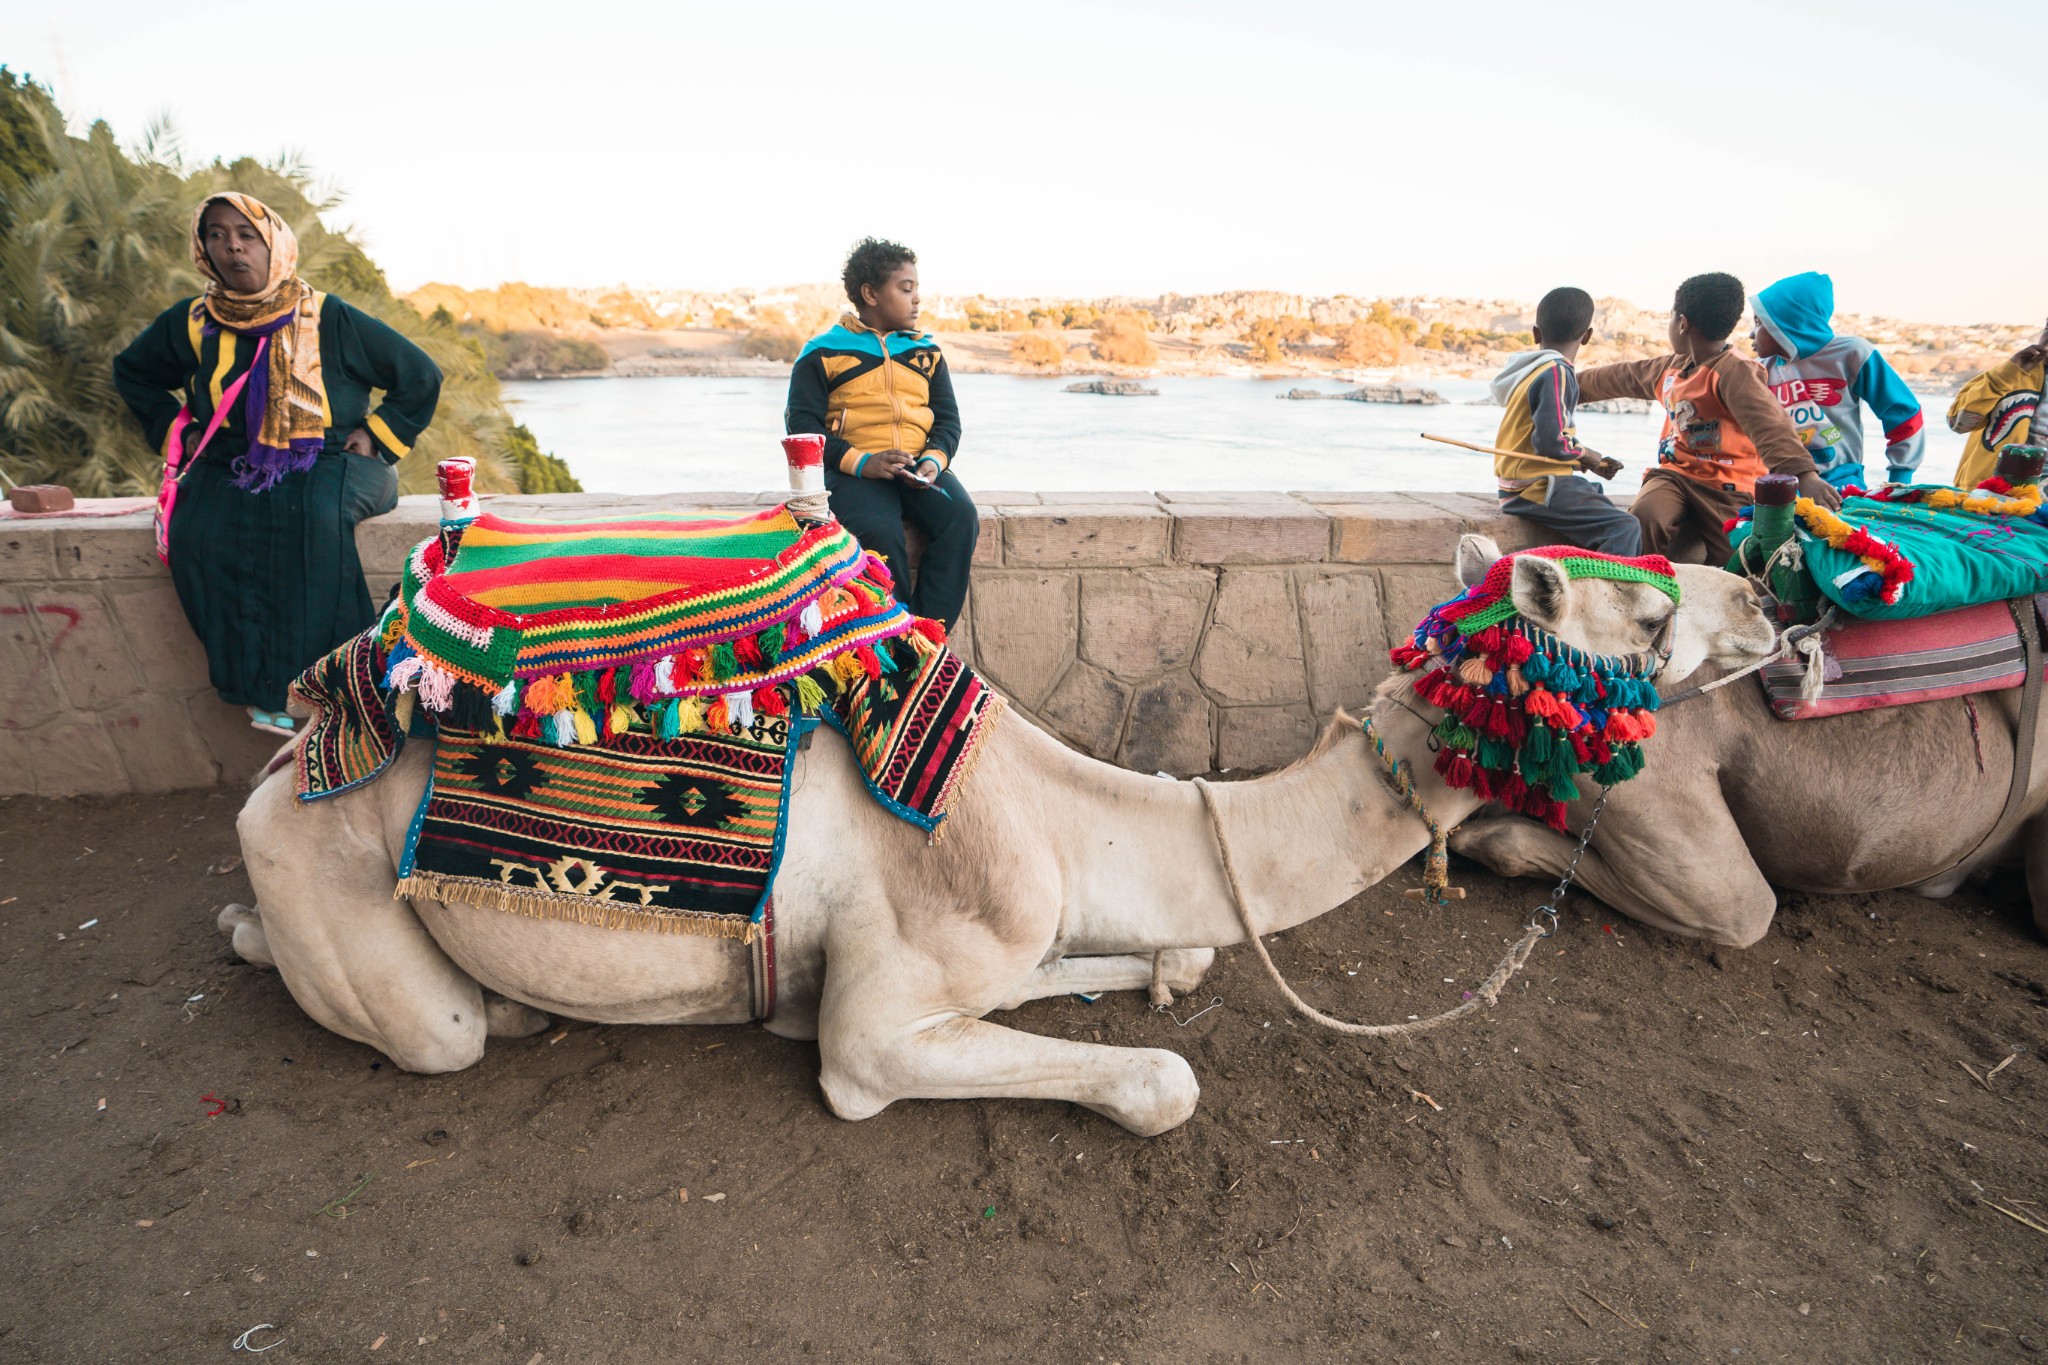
<point>1465,148</point>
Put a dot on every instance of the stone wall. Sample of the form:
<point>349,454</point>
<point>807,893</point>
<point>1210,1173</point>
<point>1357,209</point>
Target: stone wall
<point>1175,632</point>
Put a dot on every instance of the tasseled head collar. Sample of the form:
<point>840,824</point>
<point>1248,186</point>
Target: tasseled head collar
<point>1525,712</point>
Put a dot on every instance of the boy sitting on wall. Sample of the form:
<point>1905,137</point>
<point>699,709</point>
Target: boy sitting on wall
<point>1823,380</point>
<point>1543,481</point>
<point>878,390</point>
<point>1722,426</point>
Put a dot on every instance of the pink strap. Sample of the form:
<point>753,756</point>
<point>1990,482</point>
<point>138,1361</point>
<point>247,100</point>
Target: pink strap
<point>227,401</point>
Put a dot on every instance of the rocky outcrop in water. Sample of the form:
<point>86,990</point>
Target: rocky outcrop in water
<point>1375,393</point>
<point>1114,388</point>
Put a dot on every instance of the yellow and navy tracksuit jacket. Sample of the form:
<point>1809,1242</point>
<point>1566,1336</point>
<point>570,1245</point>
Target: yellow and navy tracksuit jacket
<point>1540,391</point>
<point>867,392</point>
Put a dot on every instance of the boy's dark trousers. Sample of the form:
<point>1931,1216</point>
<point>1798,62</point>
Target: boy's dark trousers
<point>1580,514</point>
<point>1671,505</point>
<point>875,510</point>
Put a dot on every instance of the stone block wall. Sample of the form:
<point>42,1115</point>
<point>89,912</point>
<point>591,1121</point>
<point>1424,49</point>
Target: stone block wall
<point>1175,632</point>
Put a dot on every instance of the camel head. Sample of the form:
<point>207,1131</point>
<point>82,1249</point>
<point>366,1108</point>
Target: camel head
<point>1718,618</point>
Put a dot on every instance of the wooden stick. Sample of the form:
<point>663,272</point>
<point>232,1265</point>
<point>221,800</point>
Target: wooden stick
<point>1467,445</point>
<point>1612,1309</point>
<point>1496,450</point>
<point>2019,1218</point>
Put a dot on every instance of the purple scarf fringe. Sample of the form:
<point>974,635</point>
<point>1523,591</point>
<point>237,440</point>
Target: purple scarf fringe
<point>262,467</point>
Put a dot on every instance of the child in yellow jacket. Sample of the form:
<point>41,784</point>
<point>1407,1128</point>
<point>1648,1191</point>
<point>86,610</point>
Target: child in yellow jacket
<point>1999,408</point>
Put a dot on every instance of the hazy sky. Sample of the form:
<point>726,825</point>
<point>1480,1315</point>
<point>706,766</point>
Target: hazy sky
<point>1461,147</point>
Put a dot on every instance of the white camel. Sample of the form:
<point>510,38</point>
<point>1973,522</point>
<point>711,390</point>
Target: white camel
<point>1057,874</point>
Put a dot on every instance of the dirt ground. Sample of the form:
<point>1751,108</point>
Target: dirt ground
<point>1650,1151</point>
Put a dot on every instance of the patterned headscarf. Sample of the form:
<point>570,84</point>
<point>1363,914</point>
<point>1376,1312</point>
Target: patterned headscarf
<point>285,396</point>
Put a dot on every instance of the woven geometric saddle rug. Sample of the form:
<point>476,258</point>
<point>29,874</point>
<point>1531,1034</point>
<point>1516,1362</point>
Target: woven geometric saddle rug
<point>614,706</point>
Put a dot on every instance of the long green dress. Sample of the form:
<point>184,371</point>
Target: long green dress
<point>271,581</point>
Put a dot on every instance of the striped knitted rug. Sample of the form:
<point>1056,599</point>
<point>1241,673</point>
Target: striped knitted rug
<point>616,703</point>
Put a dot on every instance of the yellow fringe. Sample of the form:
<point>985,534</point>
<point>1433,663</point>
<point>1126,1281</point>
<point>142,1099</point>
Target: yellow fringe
<point>580,910</point>
<point>2025,501</point>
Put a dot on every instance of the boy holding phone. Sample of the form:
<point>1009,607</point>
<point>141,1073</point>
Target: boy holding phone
<point>879,392</point>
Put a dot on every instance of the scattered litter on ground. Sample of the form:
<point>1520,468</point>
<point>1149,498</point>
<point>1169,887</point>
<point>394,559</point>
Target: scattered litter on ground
<point>242,1342</point>
<point>338,1208</point>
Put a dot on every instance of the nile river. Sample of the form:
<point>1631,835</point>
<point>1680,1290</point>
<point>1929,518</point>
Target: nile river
<point>662,435</point>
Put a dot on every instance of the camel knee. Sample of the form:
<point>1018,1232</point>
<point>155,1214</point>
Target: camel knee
<point>849,1095</point>
<point>1744,929</point>
<point>455,1048</point>
<point>1160,1093</point>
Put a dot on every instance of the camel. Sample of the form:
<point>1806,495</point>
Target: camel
<point>1057,874</point>
<point>1736,803</point>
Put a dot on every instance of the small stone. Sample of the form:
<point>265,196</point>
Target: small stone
<point>1602,1222</point>
<point>1805,1310</point>
<point>1456,1241</point>
<point>435,1138</point>
<point>530,1256</point>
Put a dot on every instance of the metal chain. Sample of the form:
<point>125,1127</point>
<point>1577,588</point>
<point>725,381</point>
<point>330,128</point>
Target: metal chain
<point>1544,920</point>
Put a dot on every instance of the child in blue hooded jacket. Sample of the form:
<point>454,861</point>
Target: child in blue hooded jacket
<point>1822,381</point>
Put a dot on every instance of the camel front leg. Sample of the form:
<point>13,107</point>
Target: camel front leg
<point>1183,970</point>
<point>895,1023</point>
<point>864,1071</point>
<point>1712,890</point>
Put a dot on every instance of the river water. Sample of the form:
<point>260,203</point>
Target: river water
<point>696,434</point>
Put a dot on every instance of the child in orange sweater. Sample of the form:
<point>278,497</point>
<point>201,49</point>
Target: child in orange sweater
<point>1722,425</point>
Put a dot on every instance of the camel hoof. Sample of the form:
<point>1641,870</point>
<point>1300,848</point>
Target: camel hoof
<point>505,1018</point>
<point>244,927</point>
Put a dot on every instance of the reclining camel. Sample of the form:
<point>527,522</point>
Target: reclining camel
<point>1058,874</point>
<point>1736,802</point>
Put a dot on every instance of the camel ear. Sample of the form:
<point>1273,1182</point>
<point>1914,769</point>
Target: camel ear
<point>1476,554</point>
<point>1541,590</point>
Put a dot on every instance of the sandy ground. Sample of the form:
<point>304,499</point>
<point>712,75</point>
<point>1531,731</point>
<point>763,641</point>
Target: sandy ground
<point>1652,1151</point>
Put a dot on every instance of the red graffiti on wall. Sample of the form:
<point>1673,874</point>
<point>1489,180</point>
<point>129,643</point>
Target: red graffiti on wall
<point>72,618</point>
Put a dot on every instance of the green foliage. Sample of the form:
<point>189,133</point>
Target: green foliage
<point>533,354</point>
<point>94,243</point>
<point>24,154</point>
<point>539,472</point>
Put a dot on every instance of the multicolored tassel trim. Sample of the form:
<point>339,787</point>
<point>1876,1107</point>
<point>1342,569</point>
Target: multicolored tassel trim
<point>1526,713</point>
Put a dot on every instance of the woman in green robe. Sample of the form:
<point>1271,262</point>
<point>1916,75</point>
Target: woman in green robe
<point>262,543</point>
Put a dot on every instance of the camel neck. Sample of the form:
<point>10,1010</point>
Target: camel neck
<point>1145,872</point>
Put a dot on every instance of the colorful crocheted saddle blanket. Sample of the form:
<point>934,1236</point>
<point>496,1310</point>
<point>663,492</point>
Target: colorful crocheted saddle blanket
<point>615,706</point>
<point>1918,550</point>
<point>1524,712</point>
